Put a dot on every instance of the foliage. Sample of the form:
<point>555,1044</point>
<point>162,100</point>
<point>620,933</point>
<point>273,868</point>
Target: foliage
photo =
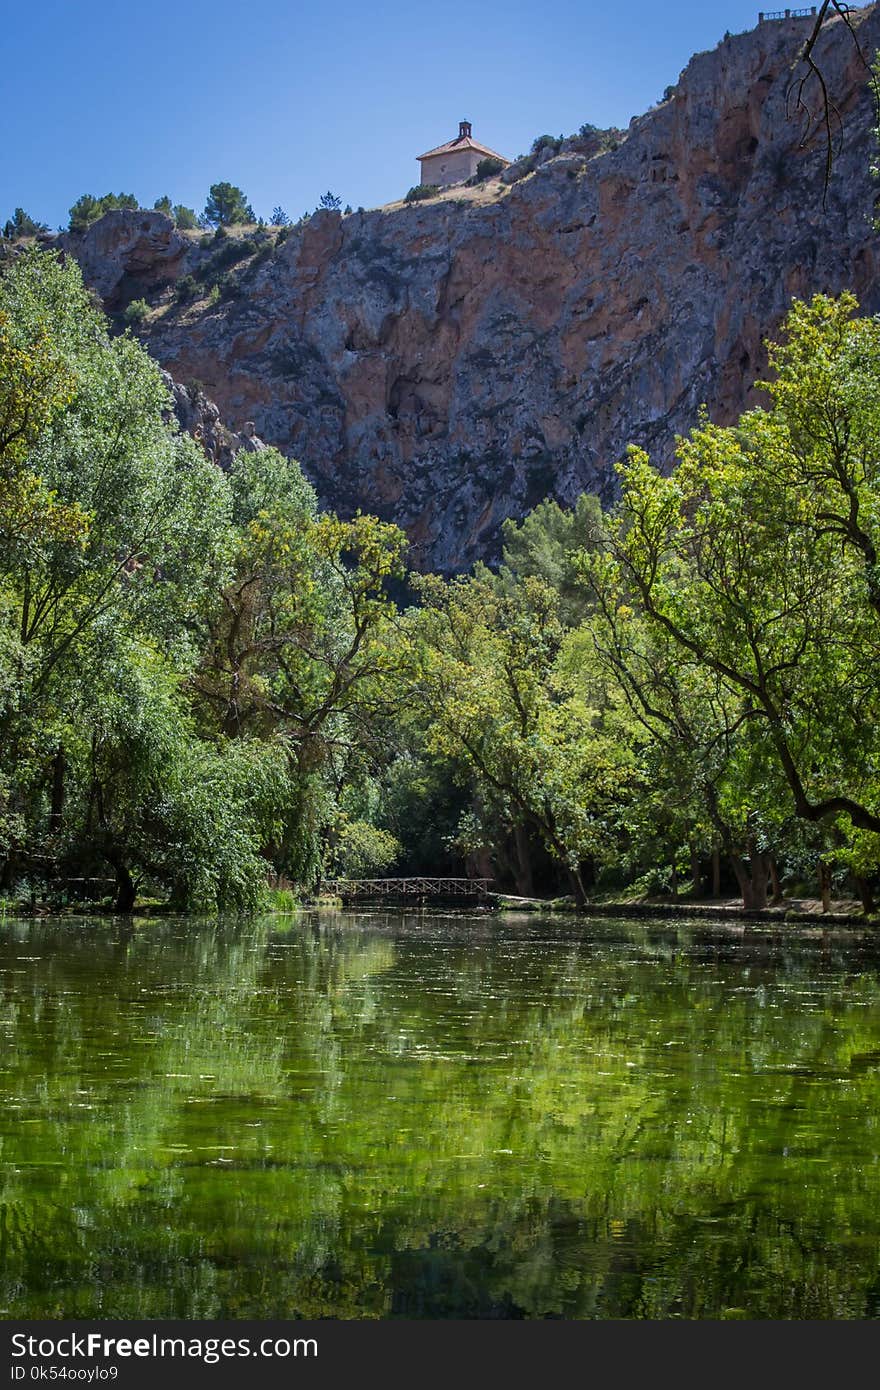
<point>22,225</point>
<point>544,545</point>
<point>546,142</point>
<point>185,218</point>
<point>187,288</point>
<point>88,209</point>
<point>205,681</point>
<point>136,312</point>
<point>361,850</point>
<point>421,191</point>
<point>545,757</point>
<point>279,218</point>
<point>227,205</point>
<point>329,202</point>
<point>488,168</point>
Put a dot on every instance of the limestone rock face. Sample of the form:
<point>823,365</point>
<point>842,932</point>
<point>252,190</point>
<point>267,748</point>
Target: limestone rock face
<point>448,363</point>
<point>200,417</point>
<point>126,254</point>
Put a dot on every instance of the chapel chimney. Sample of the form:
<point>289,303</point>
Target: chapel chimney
<point>464,130</point>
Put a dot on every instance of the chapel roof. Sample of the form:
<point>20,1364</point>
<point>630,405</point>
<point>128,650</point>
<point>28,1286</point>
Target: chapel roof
<point>463,142</point>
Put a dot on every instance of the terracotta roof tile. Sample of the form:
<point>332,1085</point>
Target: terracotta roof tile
<point>463,142</point>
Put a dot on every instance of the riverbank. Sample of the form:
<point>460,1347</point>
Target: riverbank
<point>847,912</point>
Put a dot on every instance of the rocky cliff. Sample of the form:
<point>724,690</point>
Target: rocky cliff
<point>449,363</point>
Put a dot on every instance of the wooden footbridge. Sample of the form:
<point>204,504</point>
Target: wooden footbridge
<point>409,890</point>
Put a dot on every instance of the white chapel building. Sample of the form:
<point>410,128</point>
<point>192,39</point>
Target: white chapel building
<point>457,160</point>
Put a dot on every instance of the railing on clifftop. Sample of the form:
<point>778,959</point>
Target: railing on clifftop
<point>808,13</point>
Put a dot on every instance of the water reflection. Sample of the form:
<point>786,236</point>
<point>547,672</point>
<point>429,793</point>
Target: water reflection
<point>376,1115</point>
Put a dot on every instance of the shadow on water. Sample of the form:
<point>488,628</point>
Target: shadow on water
<point>434,1115</point>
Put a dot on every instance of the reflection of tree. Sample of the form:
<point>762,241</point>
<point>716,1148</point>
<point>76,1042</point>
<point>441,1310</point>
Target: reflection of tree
<point>369,1120</point>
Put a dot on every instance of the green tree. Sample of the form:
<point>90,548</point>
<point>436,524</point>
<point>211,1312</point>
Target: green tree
<point>226,206</point>
<point>137,517</point>
<point>88,209</point>
<point>185,218</point>
<point>136,312</point>
<point>544,758</point>
<point>22,225</point>
<point>757,559</point>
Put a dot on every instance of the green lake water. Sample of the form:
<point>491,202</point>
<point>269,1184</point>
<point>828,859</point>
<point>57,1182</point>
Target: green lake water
<point>384,1115</point>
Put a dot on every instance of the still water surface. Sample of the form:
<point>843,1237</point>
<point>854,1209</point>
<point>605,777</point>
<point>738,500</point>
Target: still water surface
<point>377,1115</point>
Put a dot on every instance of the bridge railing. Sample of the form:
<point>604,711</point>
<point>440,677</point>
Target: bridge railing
<point>418,887</point>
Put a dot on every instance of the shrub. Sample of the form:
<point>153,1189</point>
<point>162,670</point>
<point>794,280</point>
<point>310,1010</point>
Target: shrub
<point>261,256</point>
<point>187,288</point>
<point>421,191</point>
<point>328,202</point>
<point>164,205</point>
<point>184,218</point>
<point>279,218</point>
<point>136,312</point>
<point>488,168</point>
<point>546,142</point>
<point>228,287</point>
<point>230,253</point>
<point>587,129</point>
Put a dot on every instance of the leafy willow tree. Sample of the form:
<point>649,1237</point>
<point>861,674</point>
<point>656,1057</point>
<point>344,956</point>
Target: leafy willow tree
<point>111,526</point>
<point>295,639</point>
<point>195,662</point>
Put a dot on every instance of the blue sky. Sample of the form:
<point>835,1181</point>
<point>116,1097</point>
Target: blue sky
<point>288,100</point>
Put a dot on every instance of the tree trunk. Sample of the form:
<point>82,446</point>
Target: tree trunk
<point>525,883</point>
<point>824,871</point>
<point>57,807</point>
<point>576,884</point>
<point>716,872</point>
<point>774,882</point>
<point>696,873</point>
<point>866,895</point>
<point>125,890</point>
<point>752,881</point>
